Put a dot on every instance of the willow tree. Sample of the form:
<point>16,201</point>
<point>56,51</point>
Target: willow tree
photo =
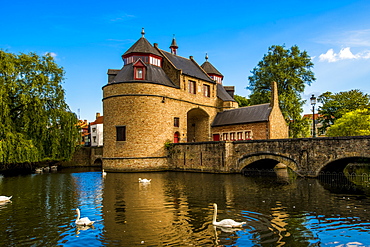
<point>291,69</point>
<point>35,121</point>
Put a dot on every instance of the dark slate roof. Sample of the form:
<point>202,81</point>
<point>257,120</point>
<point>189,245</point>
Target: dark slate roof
<point>248,114</point>
<point>153,74</point>
<point>142,46</point>
<point>210,69</point>
<point>223,94</point>
<point>188,67</point>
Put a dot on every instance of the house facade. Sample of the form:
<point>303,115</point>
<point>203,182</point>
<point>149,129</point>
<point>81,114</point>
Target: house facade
<point>96,131</point>
<point>159,97</point>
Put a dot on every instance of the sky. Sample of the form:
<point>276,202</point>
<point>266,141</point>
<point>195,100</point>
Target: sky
<point>87,38</point>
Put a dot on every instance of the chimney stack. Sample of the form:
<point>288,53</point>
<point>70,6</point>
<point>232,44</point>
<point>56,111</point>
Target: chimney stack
<point>274,95</point>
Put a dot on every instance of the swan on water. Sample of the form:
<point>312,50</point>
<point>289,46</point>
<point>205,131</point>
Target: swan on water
<point>144,180</point>
<point>83,221</point>
<point>103,173</point>
<point>225,222</point>
<point>5,198</point>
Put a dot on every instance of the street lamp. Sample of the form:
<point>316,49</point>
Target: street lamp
<point>313,103</point>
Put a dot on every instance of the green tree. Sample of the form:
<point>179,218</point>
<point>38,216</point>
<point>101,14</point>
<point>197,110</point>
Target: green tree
<point>354,123</point>
<point>242,101</point>
<point>35,122</point>
<point>334,106</point>
<point>291,69</point>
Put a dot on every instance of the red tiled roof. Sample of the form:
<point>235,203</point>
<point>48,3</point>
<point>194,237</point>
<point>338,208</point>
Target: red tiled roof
<point>99,120</point>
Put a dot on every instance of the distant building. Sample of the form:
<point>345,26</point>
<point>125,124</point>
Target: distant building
<point>159,97</point>
<point>96,131</point>
<point>318,124</point>
<point>85,135</point>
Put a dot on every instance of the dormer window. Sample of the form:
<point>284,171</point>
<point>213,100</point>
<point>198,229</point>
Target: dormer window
<point>138,73</point>
<point>139,70</point>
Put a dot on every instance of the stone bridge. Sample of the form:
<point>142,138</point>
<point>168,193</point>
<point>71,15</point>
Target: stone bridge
<point>305,156</point>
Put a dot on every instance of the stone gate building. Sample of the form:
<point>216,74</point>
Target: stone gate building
<point>159,97</point>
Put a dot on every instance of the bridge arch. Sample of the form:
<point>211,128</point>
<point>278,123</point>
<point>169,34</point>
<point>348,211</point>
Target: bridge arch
<point>98,162</point>
<point>339,165</point>
<point>265,161</point>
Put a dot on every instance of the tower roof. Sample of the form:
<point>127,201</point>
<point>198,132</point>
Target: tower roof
<point>174,44</point>
<point>209,68</point>
<point>142,46</point>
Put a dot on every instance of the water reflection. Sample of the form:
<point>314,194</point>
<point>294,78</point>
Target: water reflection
<point>176,209</point>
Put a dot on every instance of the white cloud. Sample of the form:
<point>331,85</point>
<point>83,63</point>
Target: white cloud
<point>53,54</point>
<point>345,53</point>
<point>329,56</point>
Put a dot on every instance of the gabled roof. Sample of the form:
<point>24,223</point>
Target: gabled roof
<point>210,69</point>
<point>189,67</point>
<point>142,46</point>
<point>248,114</point>
<point>223,94</point>
<point>153,74</point>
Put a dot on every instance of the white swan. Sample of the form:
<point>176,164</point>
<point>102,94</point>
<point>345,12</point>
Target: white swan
<point>144,180</point>
<point>225,222</point>
<point>5,198</point>
<point>103,173</point>
<point>83,221</point>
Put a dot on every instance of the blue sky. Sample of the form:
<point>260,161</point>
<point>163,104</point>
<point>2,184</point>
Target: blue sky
<point>88,37</point>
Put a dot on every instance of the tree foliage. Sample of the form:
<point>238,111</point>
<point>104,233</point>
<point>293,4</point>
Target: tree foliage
<point>242,101</point>
<point>354,123</point>
<point>291,69</point>
<point>35,122</point>
<point>334,106</point>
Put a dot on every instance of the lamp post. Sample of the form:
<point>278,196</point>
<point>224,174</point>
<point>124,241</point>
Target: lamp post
<point>313,103</point>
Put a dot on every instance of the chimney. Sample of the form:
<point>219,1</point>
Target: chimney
<point>97,115</point>
<point>274,95</point>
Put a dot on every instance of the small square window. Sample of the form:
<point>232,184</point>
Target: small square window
<point>206,90</point>
<point>121,133</point>
<point>232,136</point>
<point>176,122</point>
<point>191,87</point>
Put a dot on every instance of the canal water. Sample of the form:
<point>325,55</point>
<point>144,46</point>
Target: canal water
<point>176,209</point>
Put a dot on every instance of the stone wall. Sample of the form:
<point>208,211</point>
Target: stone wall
<point>84,156</point>
<point>201,157</point>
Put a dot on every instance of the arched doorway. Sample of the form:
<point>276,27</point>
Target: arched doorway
<point>197,125</point>
<point>176,137</point>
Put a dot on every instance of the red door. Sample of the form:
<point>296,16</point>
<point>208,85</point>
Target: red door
<point>176,137</point>
<point>216,137</point>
